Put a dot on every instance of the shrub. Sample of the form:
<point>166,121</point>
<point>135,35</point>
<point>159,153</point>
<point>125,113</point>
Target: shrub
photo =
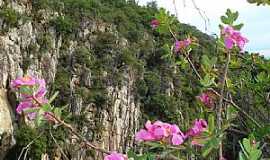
<point>64,25</point>
<point>10,17</point>
<point>83,56</point>
<point>24,135</point>
<point>45,42</point>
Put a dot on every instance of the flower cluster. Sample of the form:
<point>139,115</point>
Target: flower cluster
<point>206,100</point>
<point>233,37</point>
<point>116,156</point>
<point>199,126</point>
<point>160,131</point>
<point>180,45</point>
<point>169,133</point>
<point>155,23</point>
<point>32,94</point>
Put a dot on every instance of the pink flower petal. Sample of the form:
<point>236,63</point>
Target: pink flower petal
<point>23,81</point>
<point>24,105</point>
<point>116,156</point>
<point>177,139</point>
<point>229,43</point>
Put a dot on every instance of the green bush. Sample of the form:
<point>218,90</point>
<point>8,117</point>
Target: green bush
<point>41,4</point>
<point>161,106</point>
<point>98,96</point>
<point>45,42</point>
<point>153,81</point>
<point>105,44</point>
<point>84,56</point>
<point>25,135</point>
<point>141,89</point>
<point>10,17</point>
<point>64,25</point>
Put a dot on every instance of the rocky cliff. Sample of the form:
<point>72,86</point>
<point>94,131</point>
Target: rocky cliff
<point>33,47</point>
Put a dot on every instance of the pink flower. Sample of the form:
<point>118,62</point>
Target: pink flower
<point>23,106</point>
<point>199,126</point>
<point>41,91</point>
<point>116,156</point>
<point>228,30</point>
<point>154,24</point>
<point>233,37</point>
<point>229,42</point>
<point>187,42</point>
<point>177,139</point>
<point>240,40</point>
<point>30,97</point>
<point>23,81</point>
<point>206,100</point>
<point>159,131</point>
<point>27,105</point>
<point>180,45</point>
<point>144,135</point>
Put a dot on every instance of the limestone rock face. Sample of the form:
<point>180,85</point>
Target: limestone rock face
<point>6,125</point>
<point>22,52</point>
<point>120,121</point>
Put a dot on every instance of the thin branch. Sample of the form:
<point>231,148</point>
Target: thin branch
<point>26,152</point>
<point>27,146</point>
<point>201,13</point>
<point>175,9</point>
<point>193,67</point>
<point>61,150</point>
<point>73,131</point>
<point>187,56</point>
<point>237,131</point>
<point>173,35</point>
<point>220,106</point>
<point>237,107</point>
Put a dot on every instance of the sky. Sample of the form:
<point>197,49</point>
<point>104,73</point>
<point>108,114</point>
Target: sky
<point>255,18</point>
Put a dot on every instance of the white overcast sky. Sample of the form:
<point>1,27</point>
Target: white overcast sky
<point>255,18</point>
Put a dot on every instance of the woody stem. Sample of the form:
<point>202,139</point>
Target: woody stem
<point>73,130</point>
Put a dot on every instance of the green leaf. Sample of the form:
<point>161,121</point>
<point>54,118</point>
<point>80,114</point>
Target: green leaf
<point>235,15</point>
<point>183,63</point>
<point>212,144</point>
<point>26,90</point>
<point>39,118</point>
<point>207,81</point>
<point>53,97</point>
<point>231,113</point>
<point>154,145</point>
<point>246,144</point>
<point>57,112</point>
<point>224,20</point>
<point>46,108</point>
<point>249,149</point>
<point>243,152</point>
<point>164,19</point>
<point>211,123</point>
<point>31,110</point>
<point>239,26</point>
<point>230,17</point>
<point>241,156</point>
<point>131,154</point>
<point>208,63</point>
<point>262,132</point>
<point>255,154</point>
<point>262,77</point>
